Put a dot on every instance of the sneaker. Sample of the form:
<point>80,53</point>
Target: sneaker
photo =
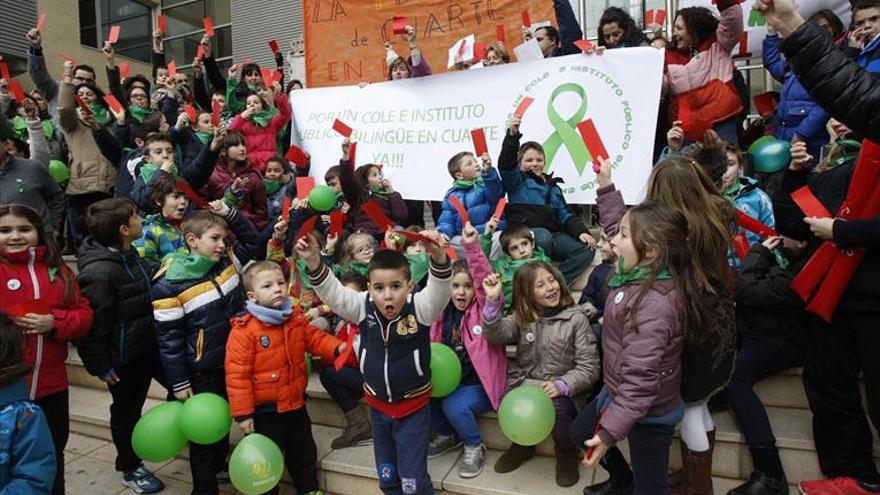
<point>142,481</point>
<point>442,444</point>
<point>843,485</point>
<point>474,458</point>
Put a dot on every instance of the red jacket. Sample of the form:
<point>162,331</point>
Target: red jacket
<point>26,278</point>
<point>254,204</point>
<point>262,142</point>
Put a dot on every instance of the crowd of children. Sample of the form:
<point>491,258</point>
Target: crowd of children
<point>202,266</point>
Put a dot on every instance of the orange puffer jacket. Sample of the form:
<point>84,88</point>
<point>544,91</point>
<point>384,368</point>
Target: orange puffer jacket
<point>265,364</point>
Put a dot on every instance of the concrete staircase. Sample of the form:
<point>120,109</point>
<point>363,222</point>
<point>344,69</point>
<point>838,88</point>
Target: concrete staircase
<point>352,471</point>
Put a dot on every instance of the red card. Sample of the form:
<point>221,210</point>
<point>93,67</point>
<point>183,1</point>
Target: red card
<point>192,195</point>
<point>266,74</point>
<point>215,113</point>
<point>340,360</point>
<point>809,204</point>
<point>462,211</point>
<point>649,17</point>
<point>478,136</point>
<point>113,103</point>
<point>336,219</point>
<point>451,253</point>
<point>277,76</point>
<point>172,68</point>
<point>744,45</point>
<point>85,108</point>
<point>41,21</point>
<point>523,106</point>
<point>754,225</point>
<point>124,70</point>
<point>526,21</point>
<point>660,17</point>
<point>64,57</point>
<point>209,26</point>
<point>585,46</point>
<point>296,155</point>
<point>4,72</point>
<point>684,114</point>
<point>461,48</point>
<point>38,307</point>
<point>398,25</point>
<point>765,103</point>
<point>16,90</point>
<point>480,51</point>
<point>273,45</point>
<point>304,186</point>
<point>499,33</point>
<point>741,245</point>
<point>499,209</point>
<point>591,138</point>
<point>378,216</point>
<point>341,128</point>
<point>200,52</point>
<point>415,237</point>
<point>285,209</point>
<point>191,113</point>
<point>160,22</point>
<point>113,35</point>
<point>307,227</point>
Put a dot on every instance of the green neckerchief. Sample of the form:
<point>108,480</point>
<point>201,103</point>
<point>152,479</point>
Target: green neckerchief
<point>263,117</point>
<point>340,196</point>
<point>148,170</point>
<point>272,186</point>
<point>781,260</point>
<point>418,266</point>
<point>205,136</point>
<point>251,88</point>
<point>19,127</point>
<point>302,269</point>
<point>102,116</point>
<point>352,266</point>
<point>733,190</point>
<point>640,272</point>
<point>187,266</point>
<point>378,191</point>
<point>139,113</point>
<point>467,184</point>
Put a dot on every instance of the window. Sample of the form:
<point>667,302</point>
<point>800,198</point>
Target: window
<point>133,18</point>
<point>185,30</point>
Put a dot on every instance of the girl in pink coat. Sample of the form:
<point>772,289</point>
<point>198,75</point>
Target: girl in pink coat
<point>483,366</point>
<point>261,124</point>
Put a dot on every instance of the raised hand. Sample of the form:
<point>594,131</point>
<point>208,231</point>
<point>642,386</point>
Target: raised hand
<point>604,175</point>
<point>469,234</point>
<point>307,249</point>
<point>675,136</point>
<point>513,125</point>
<point>492,286</point>
<point>437,249</point>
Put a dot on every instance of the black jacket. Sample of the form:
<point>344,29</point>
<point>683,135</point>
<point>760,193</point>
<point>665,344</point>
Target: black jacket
<point>118,288</point>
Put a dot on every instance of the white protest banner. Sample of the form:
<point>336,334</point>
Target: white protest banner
<point>414,126</point>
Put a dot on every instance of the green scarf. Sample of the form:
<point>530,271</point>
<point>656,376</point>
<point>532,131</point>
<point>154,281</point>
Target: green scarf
<point>187,266</point>
<point>733,190</point>
<point>19,127</point>
<point>139,113</point>
<point>378,191</point>
<point>272,186</point>
<point>205,136</point>
<point>418,266</point>
<point>148,170</point>
<point>640,272</point>
<point>467,184</point>
<point>263,117</point>
<point>100,112</point>
<point>353,266</point>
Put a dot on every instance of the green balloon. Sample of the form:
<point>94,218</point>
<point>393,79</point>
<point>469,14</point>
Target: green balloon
<point>526,415</point>
<point>445,370</point>
<point>59,171</point>
<point>322,198</point>
<point>772,156</point>
<point>157,436</point>
<point>256,465</point>
<point>205,418</point>
<point>758,142</point>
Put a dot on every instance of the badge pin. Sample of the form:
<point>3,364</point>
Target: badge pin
<point>13,284</point>
<point>530,337</point>
<point>618,297</point>
<point>478,330</point>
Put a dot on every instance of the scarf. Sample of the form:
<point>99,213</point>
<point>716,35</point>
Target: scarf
<point>468,184</point>
<point>733,190</point>
<point>148,170</point>
<point>19,128</point>
<point>378,191</point>
<point>102,115</point>
<point>188,266</point>
<point>272,186</point>
<point>270,316</point>
<point>205,136</point>
<point>263,117</point>
<point>638,273</point>
<point>139,113</point>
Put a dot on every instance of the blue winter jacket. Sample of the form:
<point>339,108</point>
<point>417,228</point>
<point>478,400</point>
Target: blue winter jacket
<point>27,455</point>
<point>755,203</point>
<point>797,114</point>
<point>479,201</point>
<point>869,57</point>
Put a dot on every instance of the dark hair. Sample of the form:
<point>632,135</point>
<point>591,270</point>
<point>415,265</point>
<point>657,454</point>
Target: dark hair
<point>12,367</point>
<point>131,90</point>
<point>163,187</point>
<point>149,126</point>
<point>632,35</point>
<point>700,23</point>
<point>523,287</point>
<point>388,259</point>
<point>352,277</point>
<point>454,164</point>
<point>233,138</point>
<point>254,269</point>
<point>713,159</point>
<point>514,231</point>
<point>460,266</point>
<point>158,137</point>
<point>104,218</point>
<point>99,93</point>
<point>85,67</point>
<point>361,174</point>
<point>528,145</point>
<point>242,91</point>
<point>832,19</point>
<point>399,61</point>
<point>285,165</point>
<point>332,173</point>
<point>864,4</point>
<point>132,80</point>
<point>552,33</point>
<point>289,87</point>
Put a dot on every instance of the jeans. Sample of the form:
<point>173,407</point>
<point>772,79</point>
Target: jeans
<point>345,386</point>
<point>457,413</point>
<point>206,461</point>
<point>292,432</point>
<point>56,409</point>
<point>573,254</point>
<point>755,361</point>
<point>401,450</point>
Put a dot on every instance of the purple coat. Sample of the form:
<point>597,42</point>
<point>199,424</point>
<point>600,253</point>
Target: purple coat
<point>642,368</point>
<point>490,361</point>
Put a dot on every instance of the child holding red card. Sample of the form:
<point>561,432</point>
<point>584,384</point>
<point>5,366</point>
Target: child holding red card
<point>237,181</point>
<point>260,125</point>
<point>42,297</point>
<point>367,185</point>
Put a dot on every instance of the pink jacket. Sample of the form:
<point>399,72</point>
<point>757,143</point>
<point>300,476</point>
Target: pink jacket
<point>261,142</point>
<point>490,361</point>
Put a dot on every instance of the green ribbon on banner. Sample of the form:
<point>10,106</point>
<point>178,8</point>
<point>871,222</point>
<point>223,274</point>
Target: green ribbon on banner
<point>566,131</point>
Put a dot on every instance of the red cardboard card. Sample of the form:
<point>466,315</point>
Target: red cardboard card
<point>172,68</point>
<point>113,35</point>
<point>114,104</point>
<point>523,106</point>
<point>526,21</point>
<point>744,45</point>
<point>415,237</point>
<point>765,103</point>
<point>277,76</point>
<point>398,25</point>
<point>65,57</point>
<point>341,128</point>
<point>684,114</point>
<point>285,209</point>
<point>124,70</point>
<point>480,51</point>
<point>296,155</point>
<point>209,26</point>
<point>741,245</point>
<point>215,113</point>
<point>266,74</point>
<point>585,46</point>
<point>304,186</point>
<point>200,52</point>
<point>478,136</point>
<point>660,17</point>
<point>192,195</point>
<point>342,358</point>
<point>499,209</point>
<point>499,33</point>
<point>191,113</point>
<point>4,71</point>
<point>462,211</point>
<point>591,138</point>
<point>336,219</point>
<point>451,253</point>
<point>809,204</point>
<point>41,21</point>
<point>378,216</point>
<point>38,307</point>
<point>16,90</point>
<point>273,45</point>
<point>85,108</point>
<point>307,227</point>
<point>649,17</point>
<point>754,225</point>
<point>160,22</point>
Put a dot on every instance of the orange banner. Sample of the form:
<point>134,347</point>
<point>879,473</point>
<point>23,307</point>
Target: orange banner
<point>345,39</point>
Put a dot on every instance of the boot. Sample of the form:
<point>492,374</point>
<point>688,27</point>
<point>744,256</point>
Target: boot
<point>567,462</point>
<point>768,477</point>
<point>513,458</point>
<point>620,481</point>
<point>761,484</point>
<point>697,471</point>
<point>357,430</point>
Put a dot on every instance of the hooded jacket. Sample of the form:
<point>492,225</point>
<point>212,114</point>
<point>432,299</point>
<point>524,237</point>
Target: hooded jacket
<point>161,237</point>
<point>28,182</point>
<point>478,200</point>
<point>90,171</point>
<point>27,455</point>
<point>755,203</point>
<point>253,203</point>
